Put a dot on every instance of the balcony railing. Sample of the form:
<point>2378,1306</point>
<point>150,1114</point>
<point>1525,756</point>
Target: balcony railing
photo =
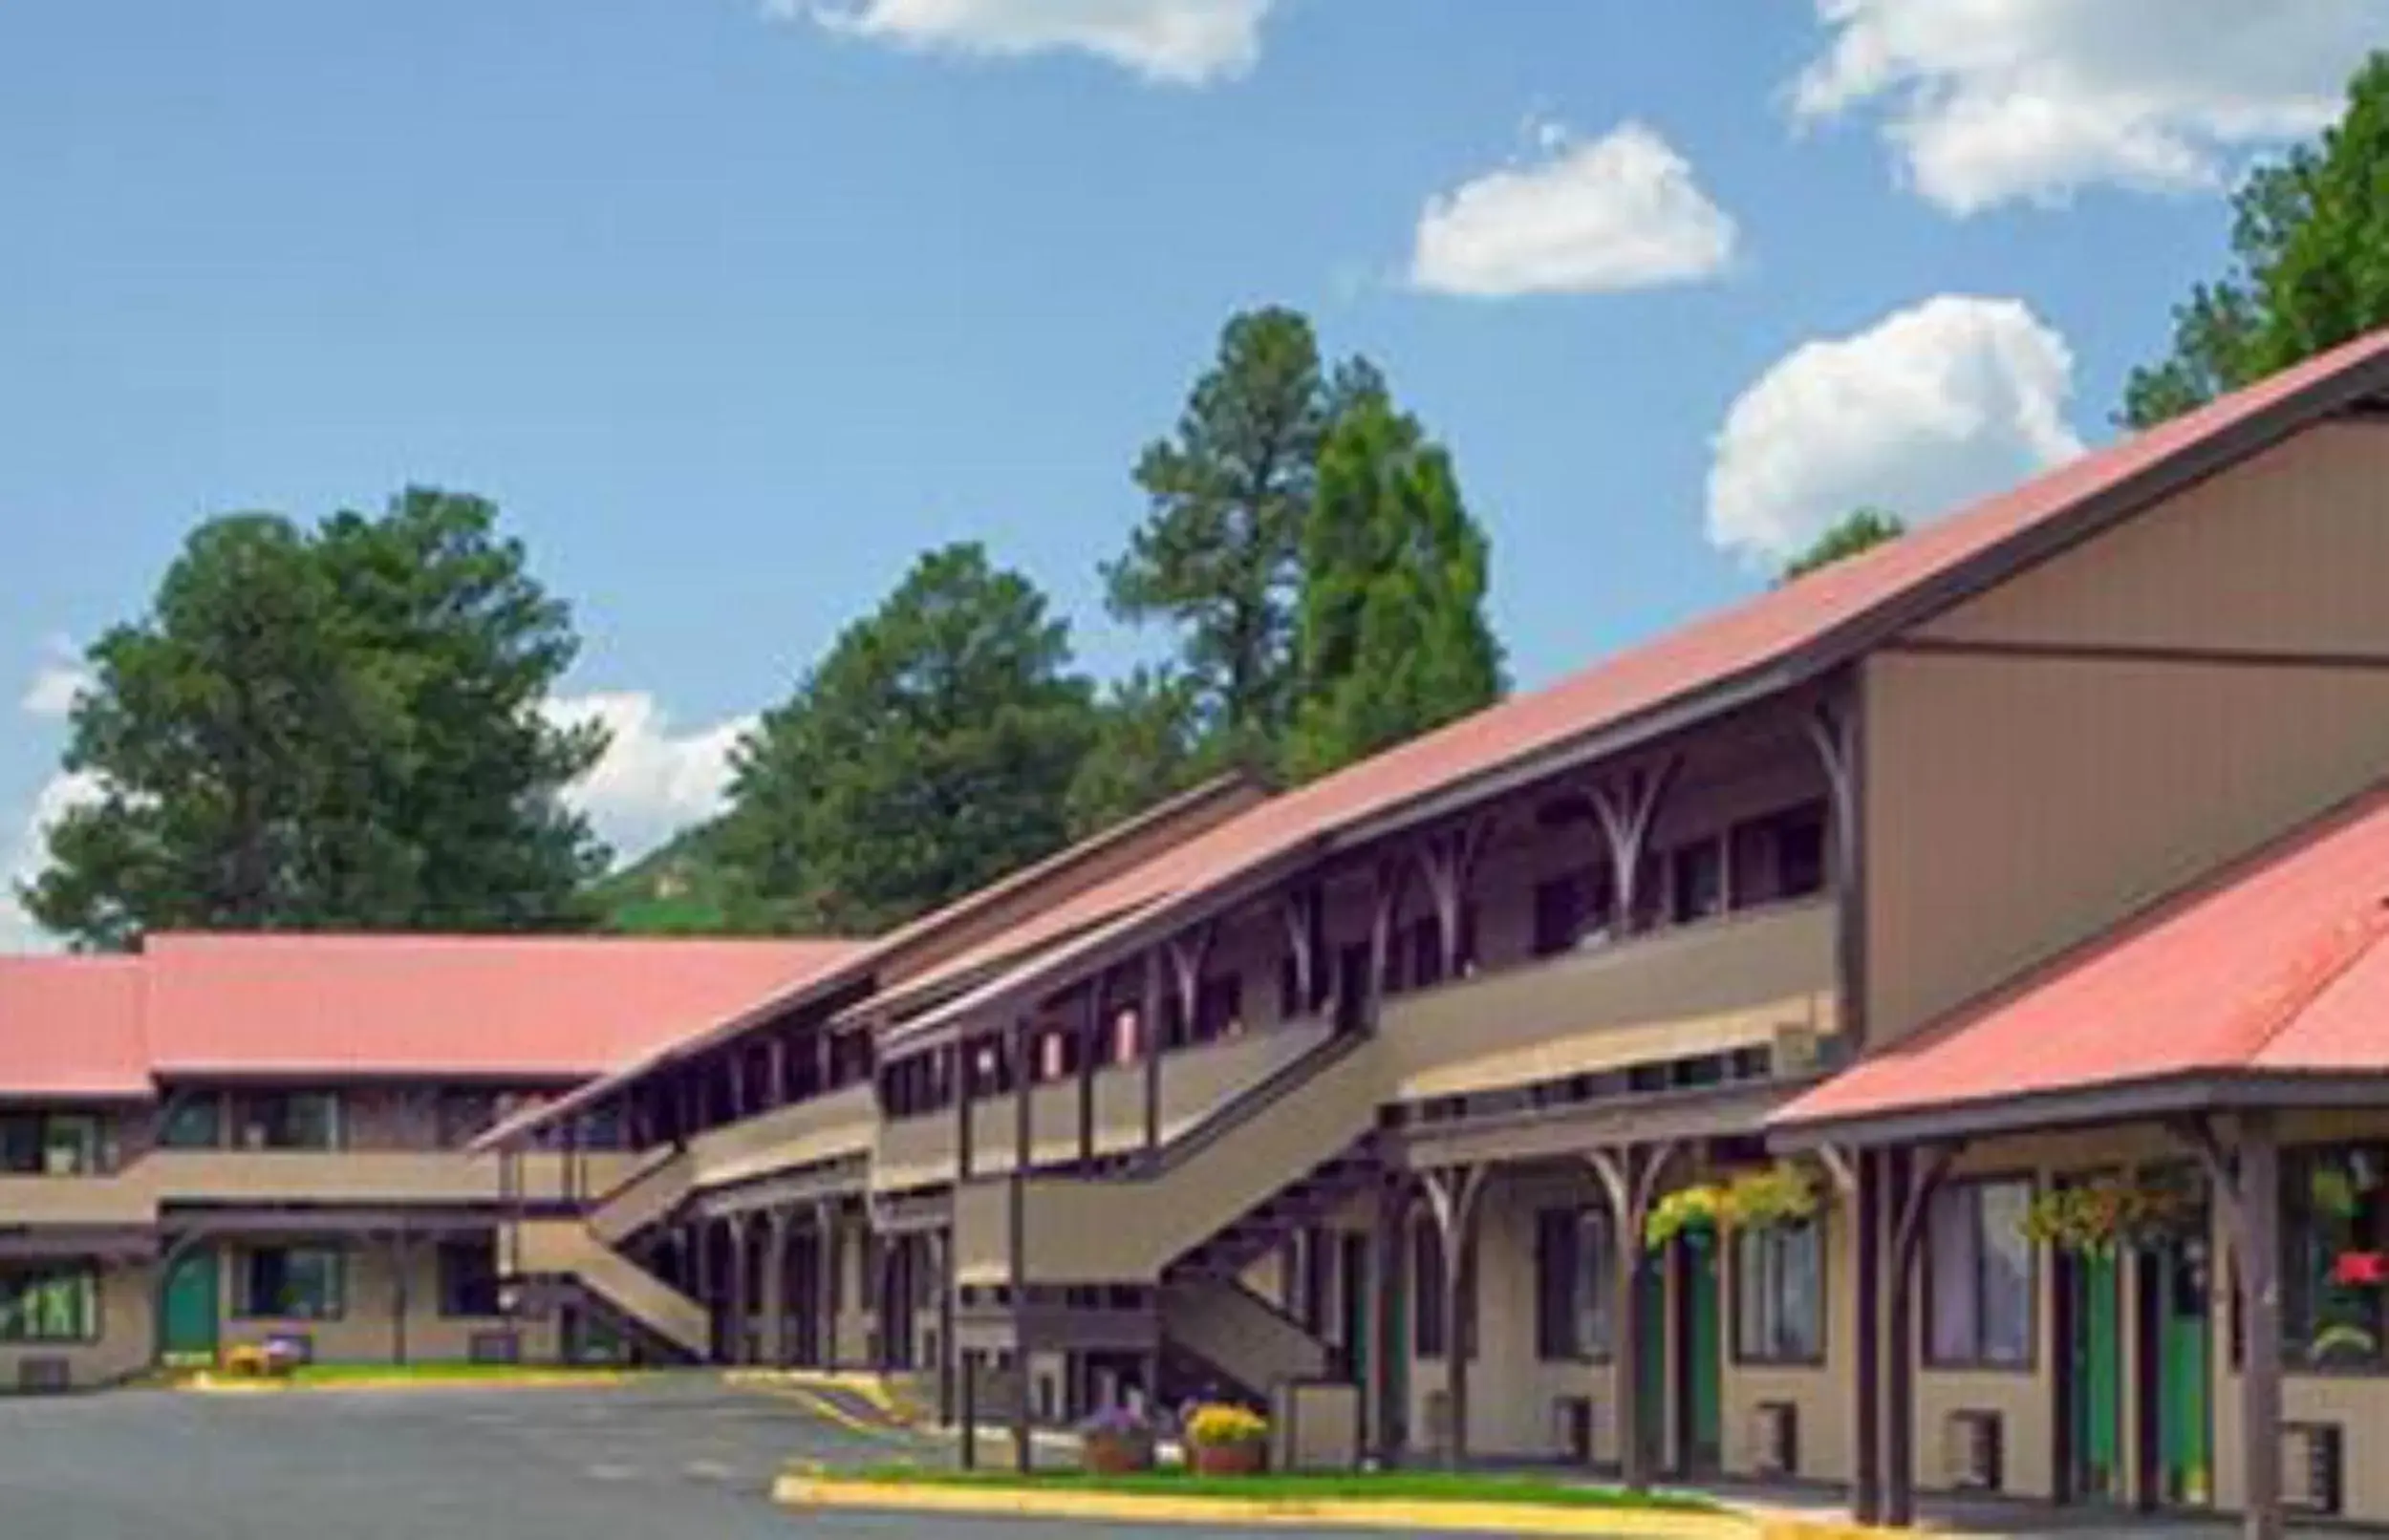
<point>1711,988</point>
<point>803,1133</point>
<point>1195,1083</point>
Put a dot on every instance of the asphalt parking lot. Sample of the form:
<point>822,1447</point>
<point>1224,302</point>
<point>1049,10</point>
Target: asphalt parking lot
<point>651,1461</point>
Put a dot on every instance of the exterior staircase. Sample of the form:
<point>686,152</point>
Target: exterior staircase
<point>572,1249</point>
<point>1240,1338</point>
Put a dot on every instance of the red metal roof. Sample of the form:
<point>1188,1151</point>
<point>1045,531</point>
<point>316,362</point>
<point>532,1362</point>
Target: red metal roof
<point>458,1007</point>
<point>557,1006</point>
<point>2274,967</point>
<point>1743,642</point>
<point>1820,619</point>
<point>70,1028</point>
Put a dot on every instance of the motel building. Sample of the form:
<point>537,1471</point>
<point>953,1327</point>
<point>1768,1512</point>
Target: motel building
<point>2010,901</point>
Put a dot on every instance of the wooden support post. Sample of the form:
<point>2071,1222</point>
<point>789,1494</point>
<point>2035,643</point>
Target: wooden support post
<point>826,1286</point>
<point>1296,911</point>
<point>735,1346</point>
<point>775,1350</point>
<point>1910,1190</point>
<point>1386,1415</point>
<point>1089,1043</point>
<point>947,1355</point>
<point>1149,1043</point>
<point>2248,1193</point>
<point>1626,813</point>
<point>1865,1210</point>
<point>1452,1197</point>
<point>1016,1239</point>
<point>968,1414</point>
<point>1630,1175</point>
<point>397,1305</point>
<point>701,1272</point>
<point>965,1067</point>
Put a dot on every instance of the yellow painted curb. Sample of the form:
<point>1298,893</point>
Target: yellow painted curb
<point>821,1406</point>
<point>1783,1526</point>
<point>215,1386</point>
<point>1360,1513</point>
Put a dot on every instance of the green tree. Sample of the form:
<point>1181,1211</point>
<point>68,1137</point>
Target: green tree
<point>931,752</point>
<point>1391,633</point>
<point>2309,269</point>
<point>1145,746</point>
<point>1219,554</point>
<point>1858,531</point>
<point>331,728</point>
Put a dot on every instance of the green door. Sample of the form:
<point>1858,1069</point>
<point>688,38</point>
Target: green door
<point>2095,1377</point>
<point>2184,1374</point>
<point>189,1311</point>
<point>1704,1443</point>
<point>1650,1368</point>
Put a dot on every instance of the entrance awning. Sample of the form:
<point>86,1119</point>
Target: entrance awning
<point>2267,985</point>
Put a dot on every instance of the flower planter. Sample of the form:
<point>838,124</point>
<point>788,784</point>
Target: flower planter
<point>1116,1454</point>
<point>1243,1458</point>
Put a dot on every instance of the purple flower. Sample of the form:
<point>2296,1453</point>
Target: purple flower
<point>1117,1423</point>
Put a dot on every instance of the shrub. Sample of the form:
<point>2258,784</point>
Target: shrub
<point>1218,1425</point>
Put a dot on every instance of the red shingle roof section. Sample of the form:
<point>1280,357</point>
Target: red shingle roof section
<point>70,1028</point>
<point>2276,967</point>
<point>446,1006</point>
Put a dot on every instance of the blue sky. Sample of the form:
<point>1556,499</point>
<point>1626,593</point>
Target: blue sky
<point>736,305</point>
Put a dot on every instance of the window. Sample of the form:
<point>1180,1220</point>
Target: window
<point>291,1282</point>
<point>1801,853</point>
<point>1778,1295</point>
<point>1428,1295</point>
<point>1575,1276</point>
<point>468,1276</point>
<point>49,1304</point>
<point>1352,990</point>
<point>291,1120</point>
<point>49,1143</point>
<point>464,1115</point>
<point>1700,882</point>
<point>197,1123</point>
<point>1426,953</point>
<point>1979,1274</point>
<point>1558,910</point>
<point>1220,1007</point>
<point>2334,1224</point>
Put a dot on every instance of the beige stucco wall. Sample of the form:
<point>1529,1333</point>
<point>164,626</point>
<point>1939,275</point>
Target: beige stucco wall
<point>366,1332</point>
<point>123,1347</point>
<point>1821,1394</point>
<point>2283,552</point>
<point>2017,805</point>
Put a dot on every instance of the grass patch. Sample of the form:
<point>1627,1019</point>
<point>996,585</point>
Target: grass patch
<point>1390,1486</point>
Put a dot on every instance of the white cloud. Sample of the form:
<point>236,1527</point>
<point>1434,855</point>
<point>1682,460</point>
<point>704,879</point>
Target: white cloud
<point>653,781</point>
<point>1617,212</point>
<point>1990,101</point>
<point>1183,42</point>
<point>1919,414</point>
<point>57,681</point>
<point>31,853</point>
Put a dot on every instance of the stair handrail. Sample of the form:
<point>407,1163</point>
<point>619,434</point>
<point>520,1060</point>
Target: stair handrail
<point>1244,1107</point>
<point>662,1159</point>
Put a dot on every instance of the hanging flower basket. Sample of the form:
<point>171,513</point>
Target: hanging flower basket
<point>2361,1270</point>
<point>2093,1218</point>
<point>1784,1193</point>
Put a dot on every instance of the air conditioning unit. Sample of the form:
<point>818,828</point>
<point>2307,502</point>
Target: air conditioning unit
<point>2312,1476</point>
<point>1793,1050</point>
<point>47,1374</point>
<point>1572,1428</point>
<point>494,1347</point>
<point>1775,1438</point>
<point>1970,1451</point>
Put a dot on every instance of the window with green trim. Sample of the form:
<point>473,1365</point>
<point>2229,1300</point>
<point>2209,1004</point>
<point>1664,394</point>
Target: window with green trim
<point>2334,1228</point>
<point>1779,1294</point>
<point>300,1283</point>
<point>49,1304</point>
